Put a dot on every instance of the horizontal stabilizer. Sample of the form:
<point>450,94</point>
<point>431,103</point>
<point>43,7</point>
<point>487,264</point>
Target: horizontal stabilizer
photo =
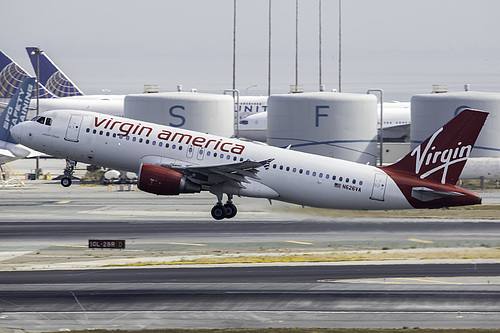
<point>426,194</point>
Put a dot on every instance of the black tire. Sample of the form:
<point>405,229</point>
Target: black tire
<point>230,210</point>
<point>218,212</point>
<point>66,182</point>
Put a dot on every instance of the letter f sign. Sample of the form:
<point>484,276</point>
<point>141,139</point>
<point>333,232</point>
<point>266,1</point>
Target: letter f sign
<point>318,108</point>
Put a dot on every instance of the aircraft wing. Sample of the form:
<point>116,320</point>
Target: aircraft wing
<point>34,153</point>
<point>218,173</point>
<point>3,106</point>
<point>7,153</point>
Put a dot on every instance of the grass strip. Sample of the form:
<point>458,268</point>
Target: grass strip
<point>328,257</point>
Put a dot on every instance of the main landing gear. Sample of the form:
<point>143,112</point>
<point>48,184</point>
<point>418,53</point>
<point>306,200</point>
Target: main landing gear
<point>220,211</point>
<point>226,211</point>
<point>68,173</point>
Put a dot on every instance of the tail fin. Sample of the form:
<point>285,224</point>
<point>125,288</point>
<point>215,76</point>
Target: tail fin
<point>11,77</point>
<point>442,157</point>
<point>51,76</point>
<point>17,109</point>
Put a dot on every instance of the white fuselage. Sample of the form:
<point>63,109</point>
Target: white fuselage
<point>295,177</point>
<point>396,123</point>
<point>113,105</point>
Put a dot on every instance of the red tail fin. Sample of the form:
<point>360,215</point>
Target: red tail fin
<point>442,157</point>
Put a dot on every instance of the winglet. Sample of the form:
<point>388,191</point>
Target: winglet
<point>17,109</point>
<point>443,155</point>
<point>266,163</point>
<point>51,76</point>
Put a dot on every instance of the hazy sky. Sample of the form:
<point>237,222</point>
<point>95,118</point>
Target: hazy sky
<point>401,46</point>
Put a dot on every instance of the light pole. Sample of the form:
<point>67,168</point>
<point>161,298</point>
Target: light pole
<point>269,55</point>
<point>319,60</point>
<point>296,45</point>
<point>37,51</point>
<point>381,132</point>
<point>234,47</point>
<point>340,45</point>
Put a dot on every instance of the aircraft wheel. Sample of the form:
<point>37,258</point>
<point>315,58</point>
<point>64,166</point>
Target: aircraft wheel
<point>230,210</point>
<point>218,212</point>
<point>66,182</point>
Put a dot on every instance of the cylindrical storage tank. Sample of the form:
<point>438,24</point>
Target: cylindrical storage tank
<point>431,111</point>
<point>207,113</point>
<point>337,125</point>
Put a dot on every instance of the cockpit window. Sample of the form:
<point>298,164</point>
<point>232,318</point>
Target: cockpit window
<point>43,120</point>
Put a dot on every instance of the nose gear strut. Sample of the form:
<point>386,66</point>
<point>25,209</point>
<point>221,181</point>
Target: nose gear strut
<point>68,173</point>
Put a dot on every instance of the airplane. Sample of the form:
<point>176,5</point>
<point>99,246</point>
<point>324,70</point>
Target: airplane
<point>170,161</point>
<point>251,105</point>
<point>15,112</point>
<point>254,127</point>
<point>396,127</point>
<point>397,120</point>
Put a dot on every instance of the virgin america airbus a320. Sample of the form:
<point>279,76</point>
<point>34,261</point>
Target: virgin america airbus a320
<point>170,161</point>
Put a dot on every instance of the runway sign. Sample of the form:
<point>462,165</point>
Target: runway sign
<point>106,244</point>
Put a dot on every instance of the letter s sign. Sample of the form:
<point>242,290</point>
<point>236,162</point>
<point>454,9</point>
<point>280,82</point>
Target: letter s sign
<point>182,119</point>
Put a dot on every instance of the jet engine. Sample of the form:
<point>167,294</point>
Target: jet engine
<point>164,181</point>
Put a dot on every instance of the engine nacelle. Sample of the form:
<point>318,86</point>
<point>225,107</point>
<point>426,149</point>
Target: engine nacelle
<point>164,181</point>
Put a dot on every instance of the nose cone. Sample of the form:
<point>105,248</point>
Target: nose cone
<point>17,132</point>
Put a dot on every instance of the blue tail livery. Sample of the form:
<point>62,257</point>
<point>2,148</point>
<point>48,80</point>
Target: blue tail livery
<point>11,77</point>
<point>51,76</point>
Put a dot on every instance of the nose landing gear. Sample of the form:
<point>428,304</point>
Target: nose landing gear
<point>68,173</point>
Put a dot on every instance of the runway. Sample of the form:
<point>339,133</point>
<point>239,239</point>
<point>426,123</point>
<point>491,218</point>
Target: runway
<point>298,296</point>
<point>50,280</point>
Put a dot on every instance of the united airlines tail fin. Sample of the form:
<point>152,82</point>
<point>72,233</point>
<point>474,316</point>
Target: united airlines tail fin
<point>17,109</point>
<point>443,155</point>
<point>11,77</point>
<point>51,76</point>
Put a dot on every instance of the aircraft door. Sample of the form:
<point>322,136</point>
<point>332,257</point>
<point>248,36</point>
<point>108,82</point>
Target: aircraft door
<point>378,190</point>
<point>73,130</point>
